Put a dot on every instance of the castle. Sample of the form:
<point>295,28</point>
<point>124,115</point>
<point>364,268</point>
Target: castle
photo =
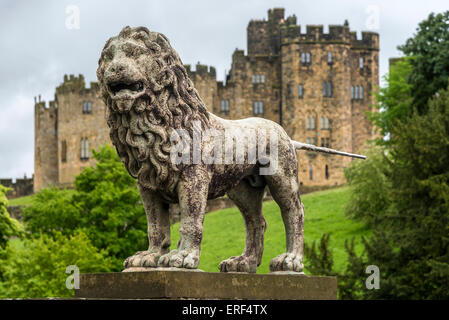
<point>317,85</point>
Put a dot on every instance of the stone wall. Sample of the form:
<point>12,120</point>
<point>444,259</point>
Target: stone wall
<point>21,187</point>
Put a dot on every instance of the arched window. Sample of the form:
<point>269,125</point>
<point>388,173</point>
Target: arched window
<point>84,149</point>
<point>322,123</point>
<point>326,123</point>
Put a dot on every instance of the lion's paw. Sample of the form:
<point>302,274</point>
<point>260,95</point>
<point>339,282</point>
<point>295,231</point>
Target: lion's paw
<point>142,259</point>
<point>188,259</point>
<point>287,262</point>
<point>238,264</point>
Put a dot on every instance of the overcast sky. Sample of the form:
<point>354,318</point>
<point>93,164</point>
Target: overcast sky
<point>40,42</point>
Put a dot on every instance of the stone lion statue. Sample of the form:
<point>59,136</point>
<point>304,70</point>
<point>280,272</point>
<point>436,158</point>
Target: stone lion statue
<point>150,99</point>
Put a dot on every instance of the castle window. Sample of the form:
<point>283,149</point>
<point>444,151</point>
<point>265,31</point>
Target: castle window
<point>326,123</point>
<point>310,172</point>
<point>327,143</point>
<point>322,142</point>
<point>356,96</point>
<point>311,141</point>
<point>361,93</point>
<point>327,89</point>
<point>84,149</point>
<point>87,107</point>
<point>322,123</point>
<point>326,171</point>
<point>329,58</point>
<point>258,78</point>
<point>352,92</point>
<point>258,107</point>
<point>310,123</point>
<point>64,151</point>
<point>225,106</point>
<point>361,62</point>
<point>305,57</point>
<point>301,91</point>
<point>289,90</point>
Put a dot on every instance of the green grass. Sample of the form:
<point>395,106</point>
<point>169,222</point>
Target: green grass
<point>22,201</point>
<point>27,200</point>
<point>224,230</point>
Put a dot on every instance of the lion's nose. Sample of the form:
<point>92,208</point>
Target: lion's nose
<point>117,68</point>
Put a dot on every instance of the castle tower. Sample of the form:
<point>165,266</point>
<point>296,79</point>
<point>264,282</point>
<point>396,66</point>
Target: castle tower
<point>45,145</point>
<point>81,126</point>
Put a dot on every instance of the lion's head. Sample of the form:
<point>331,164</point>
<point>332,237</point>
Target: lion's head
<point>148,94</point>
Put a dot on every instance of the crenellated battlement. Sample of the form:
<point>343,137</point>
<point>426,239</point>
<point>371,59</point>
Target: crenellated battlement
<point>73,84</point>
<point>337,34</point>
<point>201,70</point>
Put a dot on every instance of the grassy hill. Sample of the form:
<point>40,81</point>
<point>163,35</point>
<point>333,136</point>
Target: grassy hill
<point>224,230</point>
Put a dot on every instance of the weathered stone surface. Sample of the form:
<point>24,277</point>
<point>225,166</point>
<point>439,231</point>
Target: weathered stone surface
<point>205,285</point>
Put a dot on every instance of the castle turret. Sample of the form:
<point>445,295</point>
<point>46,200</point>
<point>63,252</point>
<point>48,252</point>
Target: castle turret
<point>45,144</point>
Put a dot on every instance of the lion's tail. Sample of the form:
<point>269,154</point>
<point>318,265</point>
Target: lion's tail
<point>311,147</point>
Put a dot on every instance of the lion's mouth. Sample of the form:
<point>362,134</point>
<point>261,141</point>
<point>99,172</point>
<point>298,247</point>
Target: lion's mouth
<point>125,90</point>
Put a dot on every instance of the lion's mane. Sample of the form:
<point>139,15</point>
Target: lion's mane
<point>142,135</point>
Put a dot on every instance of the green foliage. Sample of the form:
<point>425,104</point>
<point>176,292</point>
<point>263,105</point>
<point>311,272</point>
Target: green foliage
<point>8,227</point>
<point>370,187</point>
<point>410,241</point>
<point>394,100</point>
<point>319,259</point>
<point>430,48</point>
<point>38,267</point>
<point>105,205</point>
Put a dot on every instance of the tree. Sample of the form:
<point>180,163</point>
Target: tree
<point>370,187</point>
<point>37,268</point>
<point>410,243</point>
<point>105,205</point>
<point>8,227</point>
<point>394,101</point>
<point>430,49</point>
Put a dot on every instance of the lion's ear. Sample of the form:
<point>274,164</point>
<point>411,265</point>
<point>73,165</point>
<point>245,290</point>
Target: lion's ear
<point>126,31</point>
<point>162,40</point>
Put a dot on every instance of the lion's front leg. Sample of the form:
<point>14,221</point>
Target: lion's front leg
<point>192,194</point>
<point>158,232</point>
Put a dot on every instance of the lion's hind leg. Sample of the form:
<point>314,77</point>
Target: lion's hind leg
<point>249,201</point>
<point>285,191</point>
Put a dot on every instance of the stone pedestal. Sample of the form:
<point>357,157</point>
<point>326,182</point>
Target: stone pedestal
<point>170,284</point>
